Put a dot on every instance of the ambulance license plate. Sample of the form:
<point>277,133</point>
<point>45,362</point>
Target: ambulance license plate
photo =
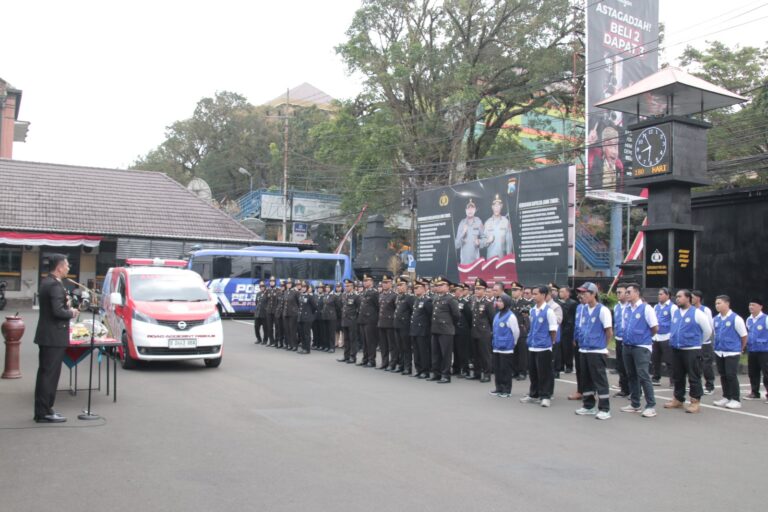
<point>182,343</point>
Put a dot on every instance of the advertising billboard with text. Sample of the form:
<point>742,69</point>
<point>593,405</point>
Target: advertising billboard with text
<point>515,227</point>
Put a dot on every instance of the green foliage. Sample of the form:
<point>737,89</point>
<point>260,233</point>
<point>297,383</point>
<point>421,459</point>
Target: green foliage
<point>439,69</point>
<point>738,142</point>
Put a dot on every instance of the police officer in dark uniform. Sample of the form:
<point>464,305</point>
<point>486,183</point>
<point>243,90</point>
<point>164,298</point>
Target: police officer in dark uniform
<point>390,352</point>
<point>290,315</point>
<point>350,301</point>
<point>482,332</point>
<point>369,318</point>
<point>445,313</point>
<point>260,315</point>
<point>271,295</point>
<point>403,312</point>
<point>329,316</point>
<point>462,340</point>
<point>420,330</point>
<point>521,307</point>
<point>307,316</point>
<point>278,315</point>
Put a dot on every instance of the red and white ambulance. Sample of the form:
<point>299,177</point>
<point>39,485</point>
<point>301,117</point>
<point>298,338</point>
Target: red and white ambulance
<point>161,312</point>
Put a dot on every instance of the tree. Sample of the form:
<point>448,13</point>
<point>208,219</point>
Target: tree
<point>738,141</point>
<point>452,75</point>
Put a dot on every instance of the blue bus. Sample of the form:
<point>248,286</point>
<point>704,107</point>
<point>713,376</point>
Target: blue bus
<point>233,275</point>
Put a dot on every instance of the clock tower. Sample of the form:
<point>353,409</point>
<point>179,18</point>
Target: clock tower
<point>669,152</point>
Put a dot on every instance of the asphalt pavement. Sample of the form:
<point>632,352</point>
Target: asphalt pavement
<point>277,431</point>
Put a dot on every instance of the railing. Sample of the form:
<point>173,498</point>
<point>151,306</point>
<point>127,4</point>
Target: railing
<point>594,252</point>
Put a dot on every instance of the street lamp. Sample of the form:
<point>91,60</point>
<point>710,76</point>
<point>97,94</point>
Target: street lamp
<point>241,170</point>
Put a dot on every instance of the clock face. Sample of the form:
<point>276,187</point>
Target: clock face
<point>650,147</point>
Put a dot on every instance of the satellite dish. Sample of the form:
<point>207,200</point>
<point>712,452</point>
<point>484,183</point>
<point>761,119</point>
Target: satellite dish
<point>200,188</point>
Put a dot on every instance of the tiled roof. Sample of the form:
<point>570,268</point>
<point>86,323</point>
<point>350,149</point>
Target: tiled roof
<point>87,200</point>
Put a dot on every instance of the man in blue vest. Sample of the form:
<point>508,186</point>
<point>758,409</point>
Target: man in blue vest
<point>619,311</point>
<point>541,338</point>
<point>664,310</point>
<point>707,350</point>
<point>757,348</point>
<point>595,329</point>
<point>690,327</point>
<point>639,329</point>
<point>730,342</point>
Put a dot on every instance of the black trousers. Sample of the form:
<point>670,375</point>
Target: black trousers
<point>728,368</point>
<point>521,357</point>
<point>330,333</point>
<point>48,373</point>
<point>370,341</point>
<point>687,363</point>
<point>390,352</point>
<point>350,342</point>
<point>502,371</point>
<point>579,370</point>
<point>305,334</point>
<point>290,324</point>
<point>422,353</point>
<point>279,331</point>
<point>568,351</point>
<point>557,357</point>
<point>259,325</point>
<point>442,351</point>
<point>623,380</point>
<point>406,352</point>
<point>483,350</point>
<point>461,343</point>
<point>270,329</point>
<point>708,365</point>
<point>317,333</point>
<point>541,374</point>
<point>594,381</point>
<point>757,366</point>
<point>661,353</point>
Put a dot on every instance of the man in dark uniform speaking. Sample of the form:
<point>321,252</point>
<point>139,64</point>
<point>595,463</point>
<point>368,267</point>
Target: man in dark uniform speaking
<point>52,337</point>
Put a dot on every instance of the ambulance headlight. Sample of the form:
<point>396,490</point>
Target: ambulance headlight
<point>215,317</point>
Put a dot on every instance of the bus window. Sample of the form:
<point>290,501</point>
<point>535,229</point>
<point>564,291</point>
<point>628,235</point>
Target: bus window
<point>242,267</point>
<point>222,267</point>
<point>202,266</point>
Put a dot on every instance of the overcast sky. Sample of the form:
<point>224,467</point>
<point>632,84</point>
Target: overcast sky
<point>102,80</point>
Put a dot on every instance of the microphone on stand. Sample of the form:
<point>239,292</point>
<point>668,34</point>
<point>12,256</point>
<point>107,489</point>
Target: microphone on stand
<point>85,305</point>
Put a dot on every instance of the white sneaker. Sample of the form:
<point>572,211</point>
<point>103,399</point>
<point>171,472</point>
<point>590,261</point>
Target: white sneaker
<point>649,412</point>
<point>709,391</point>
<point>733,404</point>
<point>545,402</point>
<point>503,395</point>
<point>494,392</point>
<point>529,400</point>
<point>586,412</point>
<point>721,402</point>
<point>603,415</point>
<point>631,408</point>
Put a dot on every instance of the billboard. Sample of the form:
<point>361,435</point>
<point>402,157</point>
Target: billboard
<point>515,227</point>
<point>622,44</point>
<point>305,209</point>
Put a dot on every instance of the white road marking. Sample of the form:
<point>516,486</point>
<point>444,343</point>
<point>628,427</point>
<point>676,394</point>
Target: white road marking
<point>722,409</point>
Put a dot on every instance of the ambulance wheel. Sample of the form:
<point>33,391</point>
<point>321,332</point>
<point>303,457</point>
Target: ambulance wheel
<point>126,361</point>
<point>212,363</point>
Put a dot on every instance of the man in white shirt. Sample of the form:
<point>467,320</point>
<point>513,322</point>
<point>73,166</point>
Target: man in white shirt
<point>595,328</point>
<point>690,327</point>
<point>757,348</point>
<point>707,349</point>
<point>641,325</point>
<point>665,310</point>
<point>541,338</point>
<point>730,342</point>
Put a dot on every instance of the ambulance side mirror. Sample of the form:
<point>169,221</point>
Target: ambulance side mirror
<point>115,299</point>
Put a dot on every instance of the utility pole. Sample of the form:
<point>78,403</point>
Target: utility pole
<point>285,166</point>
